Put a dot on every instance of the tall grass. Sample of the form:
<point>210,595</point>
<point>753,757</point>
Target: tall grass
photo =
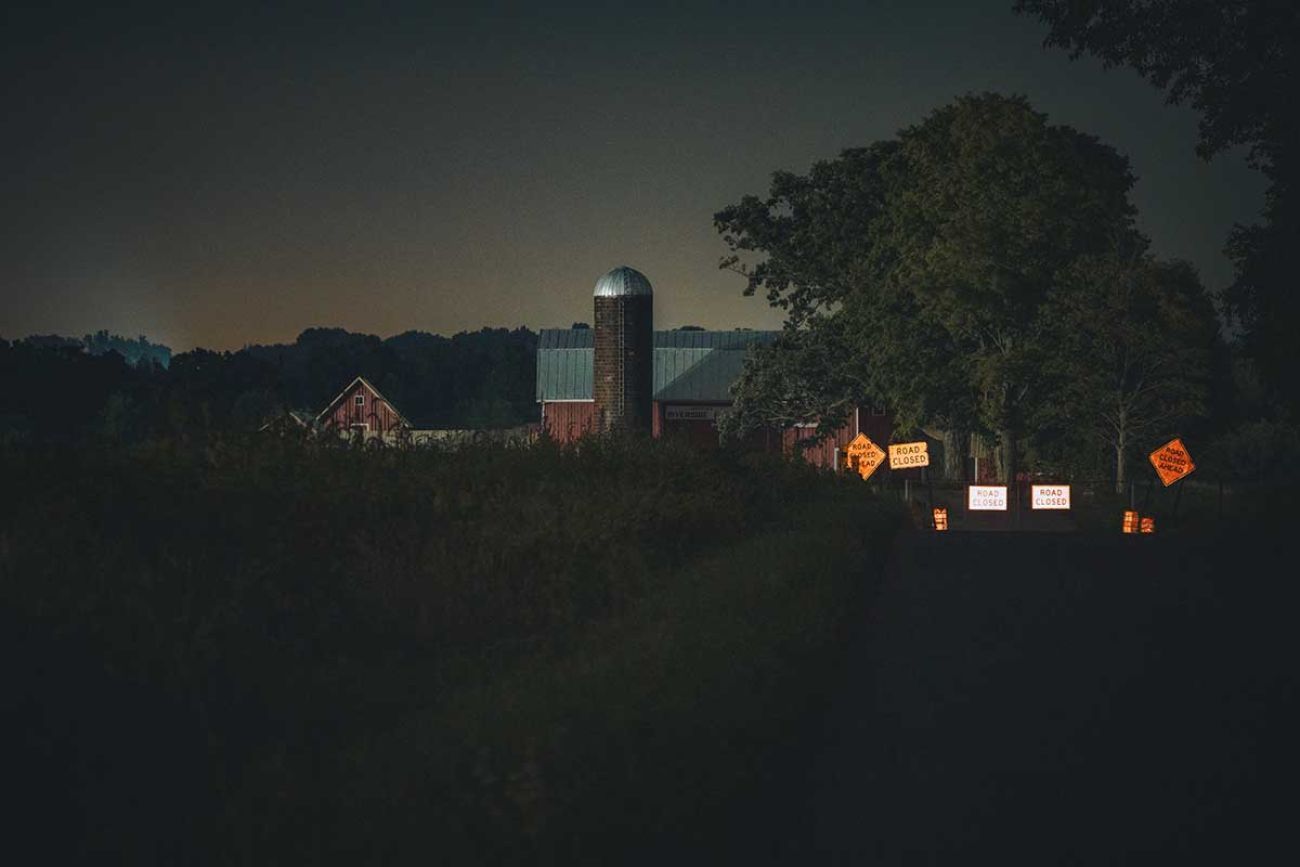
<point>259,651</point>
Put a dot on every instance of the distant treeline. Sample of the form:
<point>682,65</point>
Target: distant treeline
<point>135,352</point>
<point>68,389</point>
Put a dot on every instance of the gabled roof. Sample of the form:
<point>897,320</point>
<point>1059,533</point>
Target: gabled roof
<point>351,387</point>
<point>289,418</point>
<point>688,365</point>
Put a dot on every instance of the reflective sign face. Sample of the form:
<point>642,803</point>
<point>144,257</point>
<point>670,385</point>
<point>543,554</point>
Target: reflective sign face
<point>1171,461</point>
<point>986,498</point>
<point>1050,496</point>
<point>905,456</point>
<point>863,455</point>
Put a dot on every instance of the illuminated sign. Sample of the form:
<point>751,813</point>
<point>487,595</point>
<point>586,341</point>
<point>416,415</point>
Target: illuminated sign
<point>1050,496</point>
<point>986,498</point>
<point>864,455</point>
<point>1171,461</point>
<point>905,456</point>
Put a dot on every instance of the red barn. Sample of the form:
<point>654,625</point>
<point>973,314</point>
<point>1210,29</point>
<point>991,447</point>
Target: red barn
<point>361,409</point>
<point>692,375</point>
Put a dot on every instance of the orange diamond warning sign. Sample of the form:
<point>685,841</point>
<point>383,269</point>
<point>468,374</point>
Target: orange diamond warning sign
<point>864,455</point>
<point>1172,461</point>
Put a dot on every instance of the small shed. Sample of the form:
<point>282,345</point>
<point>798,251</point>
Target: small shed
<point>361,410</point>
<point>290,422</point>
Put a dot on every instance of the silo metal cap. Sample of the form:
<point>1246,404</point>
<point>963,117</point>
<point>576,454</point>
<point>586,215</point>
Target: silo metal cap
<point>622,282</point>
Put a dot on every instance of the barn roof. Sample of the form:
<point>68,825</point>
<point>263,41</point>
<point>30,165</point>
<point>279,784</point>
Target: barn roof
<point>688,365</point>
<point>352,387</point>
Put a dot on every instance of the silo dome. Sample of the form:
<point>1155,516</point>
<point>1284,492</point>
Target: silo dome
<point>622,282</point>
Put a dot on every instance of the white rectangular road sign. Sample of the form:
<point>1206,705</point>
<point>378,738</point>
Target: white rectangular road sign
<point>1050,496</point>
<point>986,498</point>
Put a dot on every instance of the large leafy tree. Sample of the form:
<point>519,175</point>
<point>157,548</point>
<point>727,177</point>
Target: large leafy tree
<point>1134,343</point>
<point>920,268</point>
<point>1237,62</point>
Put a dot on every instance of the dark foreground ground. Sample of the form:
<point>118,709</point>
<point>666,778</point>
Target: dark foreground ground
<point>1052,699</point>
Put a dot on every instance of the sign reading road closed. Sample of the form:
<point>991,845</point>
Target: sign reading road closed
<point>864,455</point>
<point>986,498</point>
<point>1172,461</point>
<point>1050,496</point>
<point>906,456</point>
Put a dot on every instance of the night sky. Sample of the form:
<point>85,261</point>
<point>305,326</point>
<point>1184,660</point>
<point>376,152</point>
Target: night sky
<point>223,178</point>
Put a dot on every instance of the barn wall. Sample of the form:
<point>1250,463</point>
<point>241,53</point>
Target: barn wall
<point>375,412</point>
<point>567,420</point>
<point>822,454</point>
<point>701,432</point>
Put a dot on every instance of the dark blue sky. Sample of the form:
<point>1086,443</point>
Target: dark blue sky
<point>226,177</point>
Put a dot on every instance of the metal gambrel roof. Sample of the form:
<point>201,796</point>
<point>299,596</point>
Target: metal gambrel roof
<point>688,365</point>
<point>564,374</point>
<point>566,338</point>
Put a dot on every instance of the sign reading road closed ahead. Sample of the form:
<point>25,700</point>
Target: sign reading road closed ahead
<point>986,498</point>
<point>1050,496</point>
<point>906,456</point>
<point>1172,461</point>
<point>864,455</point>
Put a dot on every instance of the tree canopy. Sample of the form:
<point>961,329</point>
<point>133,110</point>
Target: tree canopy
<point>1134,341</point>
<point>918,271</point>
<point>1235,62</point>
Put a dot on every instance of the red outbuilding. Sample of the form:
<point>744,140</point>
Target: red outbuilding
<point>361,410</point>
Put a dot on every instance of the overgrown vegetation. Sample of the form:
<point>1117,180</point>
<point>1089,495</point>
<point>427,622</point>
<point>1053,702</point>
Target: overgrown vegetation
<point>262,651</point>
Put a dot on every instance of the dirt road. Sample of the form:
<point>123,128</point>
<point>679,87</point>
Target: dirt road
<point>1054,699</point>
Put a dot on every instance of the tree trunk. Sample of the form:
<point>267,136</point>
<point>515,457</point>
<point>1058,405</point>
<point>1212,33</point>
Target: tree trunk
<point>955,447</point>
<point>1120,448</point>
<point>1007,454</point>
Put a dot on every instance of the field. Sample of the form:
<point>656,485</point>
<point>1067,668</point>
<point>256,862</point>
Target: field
<point>261,651</point>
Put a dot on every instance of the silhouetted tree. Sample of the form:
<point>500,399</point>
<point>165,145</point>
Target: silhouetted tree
<point>1134,343</point>
<point>917,271</point>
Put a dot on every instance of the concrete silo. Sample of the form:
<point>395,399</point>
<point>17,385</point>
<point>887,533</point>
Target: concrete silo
<point>622,365</point>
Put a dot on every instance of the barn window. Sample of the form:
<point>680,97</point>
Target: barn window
<point>360,400</point>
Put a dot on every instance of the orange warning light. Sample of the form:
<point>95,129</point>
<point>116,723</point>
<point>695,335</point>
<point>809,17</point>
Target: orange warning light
<point>1130,521</point>
<point>941,519</point>
<point>1148,525</point>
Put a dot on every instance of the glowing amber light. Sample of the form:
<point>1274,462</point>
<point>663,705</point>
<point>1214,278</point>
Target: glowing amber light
<point>1148,525</point>
<point>1130,521</point>
<point>941,519</point>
